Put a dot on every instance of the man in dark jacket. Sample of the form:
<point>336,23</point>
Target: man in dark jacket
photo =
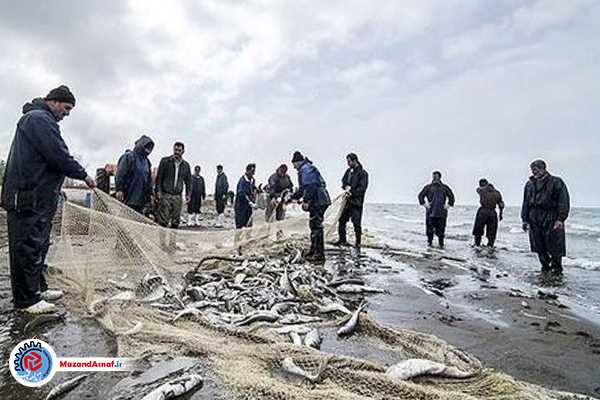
<point>221,193</point>
<point>546,206</point>
<point>198,194</point>
<point>312,189</point>
<point>486,218</point>
<point>436,198</point>
<point>133,181</point>
<point>354,183</point>
<point>172,175</point>
<point>279,188</point>
<point>245,198</point>
<point>36,167</point>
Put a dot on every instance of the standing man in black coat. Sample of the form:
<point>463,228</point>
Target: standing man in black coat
<point>197,196</point>
<point>355,182</point>
<point>36,168</point>
<point>172,175</point>
<point>486,220</point>
<point>546,206</point>
<point>436,198</point>
<point>221,194</point>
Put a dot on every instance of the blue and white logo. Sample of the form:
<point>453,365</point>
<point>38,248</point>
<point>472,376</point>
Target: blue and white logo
<point>33,363</point>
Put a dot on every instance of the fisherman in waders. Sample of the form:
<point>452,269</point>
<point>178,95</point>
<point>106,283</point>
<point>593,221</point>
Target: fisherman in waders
<point>36,167</point>
<point>545,209</point>
<point>315,200</point>
<point>198,194</point>
<point>354,183</point>
<point>221,194</point>
<point>486,219</point>
<point>245,198</point>
<point>279,189</point>
<point>436,198</point>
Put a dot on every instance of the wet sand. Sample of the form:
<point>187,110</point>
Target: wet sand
<point>539,341</point>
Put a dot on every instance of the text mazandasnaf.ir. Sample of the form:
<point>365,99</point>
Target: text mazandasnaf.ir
<point>95,364</point>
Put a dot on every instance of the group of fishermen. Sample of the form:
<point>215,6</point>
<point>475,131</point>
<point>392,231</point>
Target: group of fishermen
<point>39,160</point>
<point>544,210</point>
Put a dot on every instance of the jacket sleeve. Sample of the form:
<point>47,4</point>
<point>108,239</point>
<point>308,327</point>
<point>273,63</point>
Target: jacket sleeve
<point>525,206</point>
<point>45,137</point>
<point>202,189</point>
<point>500,200</point>
<point>159,176</point>
<point>345,178</point>
<point>361,188</point>
<point>188,181</point>
<point>122,173</point>
<point>564,201</point>
<point>450,196</point>
<point>422,195</point>
<point>149,188</point>
<point>272,185</point>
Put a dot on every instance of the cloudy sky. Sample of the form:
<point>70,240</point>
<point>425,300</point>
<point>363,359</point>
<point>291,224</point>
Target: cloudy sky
<point>473,88</point>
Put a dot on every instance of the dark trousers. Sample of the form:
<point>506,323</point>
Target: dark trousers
<point>547,242</point>
<point>220,202</point>
<point>435,226</point>
<point>243,216</point>
<point>351,212</point>
<point>169,210</point>
<point>486,221</point>
<point>29,240</point>
<point>317,234</point>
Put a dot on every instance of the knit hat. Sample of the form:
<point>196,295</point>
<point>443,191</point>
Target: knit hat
<point>297,157</point>
<point>62,94</point>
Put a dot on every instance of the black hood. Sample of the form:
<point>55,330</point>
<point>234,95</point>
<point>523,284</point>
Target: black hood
<point>142,143</point>
<point>36,104</point>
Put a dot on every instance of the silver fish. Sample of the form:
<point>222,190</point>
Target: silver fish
<point>350,326</point>
<point>334,307</point>
<point>299,329</point>
<point>65,387</point>
<point>286,283</point>
<point>175,388</point>
<point>290,367</point>
<point>414,367</point>
<point>297,257</point>
<point>313,339</point>
<point>358,289</point>
<point>266,316</point>
<point>296,338</point>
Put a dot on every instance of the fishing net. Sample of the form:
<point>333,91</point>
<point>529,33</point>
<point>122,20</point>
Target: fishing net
<point>185,292</point>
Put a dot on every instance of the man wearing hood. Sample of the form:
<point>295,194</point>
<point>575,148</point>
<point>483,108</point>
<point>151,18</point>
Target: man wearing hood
<point>280,187</point>
<point>436,198</point>
<point>486,219</point>
<point>354,183</point>
<point>545,209</point>
<point>221,194</point>
<point>36,168</point>
<point>134,177</point>
<point>312,189</point>
<point>245,198</point>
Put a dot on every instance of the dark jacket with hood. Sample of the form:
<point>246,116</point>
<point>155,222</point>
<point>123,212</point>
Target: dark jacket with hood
<point>490,197</point>
<point>134,176</point>
<point>437,194</point>
<point>165,177</point>
<point>38,162</point>
<point>221,185</point>
<point>312,187</point>
<point>279,184</point>
<point>358,180</point>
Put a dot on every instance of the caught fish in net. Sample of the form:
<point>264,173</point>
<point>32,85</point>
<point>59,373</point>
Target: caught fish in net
<point>247,303</point>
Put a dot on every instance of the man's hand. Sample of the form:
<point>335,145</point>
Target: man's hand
<point>558,225</point>
<point>500,217</point>
<point>120,196</point>
<point>90,182</point>
<point>253,205</point>
<point>305,206</point>
<point>187,199</point>
<point>525,226</point>
<point>426,205</point>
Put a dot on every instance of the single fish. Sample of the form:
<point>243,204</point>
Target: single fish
<point>297,257</point>
<point>266,316</point>
<point>414,367</point>
<point>186,311</point>
<point>345,281</point>
<point>290,367</point>
<point>63,388</point>
<point>334,307</point>
<point>136,328</point>
<point>296,338</point>
<point>358,289</point>
<point>299,329</point>
<point>350,326</point>
<point>286,283</point>
<point>313,339</point>
<point>175,388</point>
<point>239,278</point>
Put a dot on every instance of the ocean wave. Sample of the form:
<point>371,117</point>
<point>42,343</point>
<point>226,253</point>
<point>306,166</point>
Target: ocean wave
<point>404,220</point>
<point>583,228</point>
<point>583,263</point>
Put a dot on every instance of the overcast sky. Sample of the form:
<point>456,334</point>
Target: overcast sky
<point>472,88</point>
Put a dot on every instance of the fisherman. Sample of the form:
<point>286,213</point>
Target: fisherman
<point>354,183</point>
<point>221,191</point>
<point>315,199</point>
<point>245,198</point>
<point>436,198</point>
<point>133,181</point>
<point>486,218</point>
<point>545,209</point>
<point>172,175</point>
<point>198,194</point>
<point>35,170</point>
<point>279,189</point>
